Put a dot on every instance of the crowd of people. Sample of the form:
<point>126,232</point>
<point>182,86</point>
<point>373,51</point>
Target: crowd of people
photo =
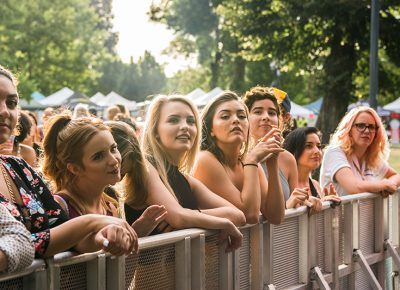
<point>85,184</point>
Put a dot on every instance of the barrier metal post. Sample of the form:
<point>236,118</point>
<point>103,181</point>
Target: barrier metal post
<point>182,264</point>
<point>198,262</point>
<point>115,270</point>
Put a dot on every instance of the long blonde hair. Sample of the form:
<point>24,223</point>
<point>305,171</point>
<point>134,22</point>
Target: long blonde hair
<point>379,148</point>
<point>152,147</point>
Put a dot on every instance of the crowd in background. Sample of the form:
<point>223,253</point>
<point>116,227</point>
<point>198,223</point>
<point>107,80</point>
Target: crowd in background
<point>218,169</point>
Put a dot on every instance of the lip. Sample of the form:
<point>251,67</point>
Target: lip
<point>4,125</point>
<point>183,137</point>
<point>236,129</point>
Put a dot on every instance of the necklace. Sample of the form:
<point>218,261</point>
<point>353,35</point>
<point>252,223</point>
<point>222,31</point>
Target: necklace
<point>8,183</point>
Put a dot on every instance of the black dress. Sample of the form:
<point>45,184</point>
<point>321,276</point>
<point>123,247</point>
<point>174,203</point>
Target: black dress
<point>182,190</point>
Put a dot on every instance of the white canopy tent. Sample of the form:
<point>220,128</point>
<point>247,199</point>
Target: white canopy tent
<point>195,94</point>
<point>393,106</point>
<point>57,98</point>
<point>299,111</point>
<point>113,99</point>
<point>203,100</point>
<point>98,97</point>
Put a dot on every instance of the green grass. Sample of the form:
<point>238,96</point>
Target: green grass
<point>394,159</point>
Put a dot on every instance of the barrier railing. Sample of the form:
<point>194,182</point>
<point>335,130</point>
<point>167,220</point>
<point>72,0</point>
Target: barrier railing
<point>351,246</point>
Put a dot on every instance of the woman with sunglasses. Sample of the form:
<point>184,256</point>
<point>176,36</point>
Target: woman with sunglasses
<point>356,158</point>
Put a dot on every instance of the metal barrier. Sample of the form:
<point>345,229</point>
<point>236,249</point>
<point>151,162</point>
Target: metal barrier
<point>352,246</point>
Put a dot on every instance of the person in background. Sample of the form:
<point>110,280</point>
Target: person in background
<point>24,129</point>
<point>265,120</point>
<point>171,140</point>
<point>24,194</point>
<point>112,111</point>
<point>80,110</point>
<point>305,145</point>
<point>355,160</point>
<point>124,110</point>
<point>16,248</point>
<point>227,168</point>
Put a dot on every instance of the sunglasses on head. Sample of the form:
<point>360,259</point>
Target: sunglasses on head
<point>361,127</point>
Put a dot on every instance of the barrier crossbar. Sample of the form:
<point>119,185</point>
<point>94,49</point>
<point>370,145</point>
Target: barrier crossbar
<point>305,251</point>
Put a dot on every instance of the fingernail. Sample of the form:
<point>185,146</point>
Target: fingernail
<point>106,243</point>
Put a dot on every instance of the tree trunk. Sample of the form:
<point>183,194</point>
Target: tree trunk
<point>237,83</point>
<point>338,85</point>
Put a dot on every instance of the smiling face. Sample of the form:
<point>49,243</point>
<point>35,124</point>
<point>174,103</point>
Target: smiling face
<point>230,124</point>
<point>176,129</point>
<point>8,108</point>
<point>362,138</point>
<point>311,156</point>
<point>263,115</point>
<point>101,160</point>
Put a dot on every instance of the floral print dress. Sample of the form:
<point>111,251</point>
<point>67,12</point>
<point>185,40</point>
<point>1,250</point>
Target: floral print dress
<point>39,211</point>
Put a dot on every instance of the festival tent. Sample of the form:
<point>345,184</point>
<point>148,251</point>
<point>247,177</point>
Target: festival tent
<point>31,105</point>
<point>393,106</point>
<point>314,106</point>
<point>113,99</point>
<point>195,94</point>
<point>37,96</point>
<point>78,98</point>
<point>203,100</point>
<point>57,98</point>
<point>98,97</point>
<point>299,111</point>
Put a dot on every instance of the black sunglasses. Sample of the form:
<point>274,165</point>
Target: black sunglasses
<point>361,127</point>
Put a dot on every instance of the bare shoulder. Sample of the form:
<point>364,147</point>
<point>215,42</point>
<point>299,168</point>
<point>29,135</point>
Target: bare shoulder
<point>286,157</point>
<point>28,154</point>
<point>206,162</point>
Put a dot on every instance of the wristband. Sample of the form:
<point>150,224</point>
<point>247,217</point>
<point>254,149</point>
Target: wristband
<point>250,164</point>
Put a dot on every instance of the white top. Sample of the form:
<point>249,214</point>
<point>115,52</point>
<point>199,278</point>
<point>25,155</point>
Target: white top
<point>335,159</point>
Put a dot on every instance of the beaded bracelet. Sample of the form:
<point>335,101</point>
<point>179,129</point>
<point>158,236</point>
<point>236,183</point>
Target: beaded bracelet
<point>250,164</point>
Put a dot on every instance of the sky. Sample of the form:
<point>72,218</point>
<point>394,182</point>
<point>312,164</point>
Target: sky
<point>137,34</point>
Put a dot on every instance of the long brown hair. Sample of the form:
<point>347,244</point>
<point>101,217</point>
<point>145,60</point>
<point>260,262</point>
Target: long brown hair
<point>133,164</point>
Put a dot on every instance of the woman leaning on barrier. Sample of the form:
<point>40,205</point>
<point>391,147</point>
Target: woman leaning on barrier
<point>356,159</point>
<point>227,168</point>
<point>170,143</point>
<point>29,201</point>
<point>305,145</point>
<point>81,159</point>
<point>16,248</point>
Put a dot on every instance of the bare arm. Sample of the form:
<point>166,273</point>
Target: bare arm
<point>393,176</point>
<point>66,235</point>
<point>273,201</point>
<point>212,174</point>
<point>353,185</point>
<point>214,205</point>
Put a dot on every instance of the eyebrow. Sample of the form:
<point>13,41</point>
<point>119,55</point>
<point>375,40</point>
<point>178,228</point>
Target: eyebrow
<point>12,96</point>
<point>261,107</point>
<point>229,111</point>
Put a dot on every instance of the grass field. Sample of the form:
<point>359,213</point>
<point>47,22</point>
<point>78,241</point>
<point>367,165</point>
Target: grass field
<point>394,159</point>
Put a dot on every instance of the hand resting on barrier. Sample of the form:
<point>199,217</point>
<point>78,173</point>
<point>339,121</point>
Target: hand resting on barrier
<point>232,236</point>
<point>117,240</point>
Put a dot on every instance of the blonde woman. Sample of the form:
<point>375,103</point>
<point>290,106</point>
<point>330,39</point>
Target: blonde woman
<point>171,139</point>
<point>356,158</point>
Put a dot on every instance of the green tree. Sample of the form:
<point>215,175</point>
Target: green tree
<point>325,39</point>
<point>52,44</point>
